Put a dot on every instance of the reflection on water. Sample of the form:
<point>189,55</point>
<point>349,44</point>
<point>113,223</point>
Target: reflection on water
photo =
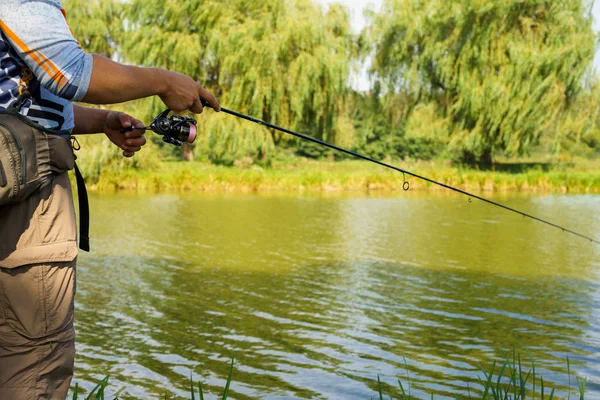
<point>316,296</point>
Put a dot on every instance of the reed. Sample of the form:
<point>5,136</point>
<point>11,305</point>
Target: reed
<point>508,380</point>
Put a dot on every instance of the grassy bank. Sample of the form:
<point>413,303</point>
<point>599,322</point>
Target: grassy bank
<point>308,175</point>
<point>508,380</point>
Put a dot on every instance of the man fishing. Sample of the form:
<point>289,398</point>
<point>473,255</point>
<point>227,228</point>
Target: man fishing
<point>38,250</point>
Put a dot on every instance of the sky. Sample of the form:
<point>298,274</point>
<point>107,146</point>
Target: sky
<point>596,12</point>
<point>361,81</point>
<point>356,7</point>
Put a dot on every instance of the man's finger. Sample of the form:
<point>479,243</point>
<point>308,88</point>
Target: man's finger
<point>131,149</point>
<point>135,142</point>
<point>137,123</point>
<point>197,107</point>
<point>209,97</point>
<point>125,120</point>
<point>134,134</point>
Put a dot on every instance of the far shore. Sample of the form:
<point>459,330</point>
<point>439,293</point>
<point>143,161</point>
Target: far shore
<point>349,176</point>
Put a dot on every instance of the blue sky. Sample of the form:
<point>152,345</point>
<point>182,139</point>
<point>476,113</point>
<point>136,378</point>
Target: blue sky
<point>358,22</point>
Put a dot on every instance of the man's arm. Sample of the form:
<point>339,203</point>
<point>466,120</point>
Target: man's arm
<point>89,120</point>
<point>97,120</point>
<point>112,82</point>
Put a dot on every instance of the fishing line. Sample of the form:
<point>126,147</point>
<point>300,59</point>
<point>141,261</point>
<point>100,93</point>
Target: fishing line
<point>406,184</point>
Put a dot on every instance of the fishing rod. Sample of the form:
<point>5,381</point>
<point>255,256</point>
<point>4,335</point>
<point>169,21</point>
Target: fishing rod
<point>176,130</point>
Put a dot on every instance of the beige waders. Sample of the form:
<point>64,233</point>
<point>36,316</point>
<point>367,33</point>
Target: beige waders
<point>37,287</point>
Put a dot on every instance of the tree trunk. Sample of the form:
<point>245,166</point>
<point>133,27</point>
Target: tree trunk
<point>486,159</point>
<point>188,152</point>
<point>468,158</point>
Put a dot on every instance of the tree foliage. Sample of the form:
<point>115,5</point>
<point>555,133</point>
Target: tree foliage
<point>286,61</point>
<point>470,78</point>
<point>483,76</point>
<point>97,24</point>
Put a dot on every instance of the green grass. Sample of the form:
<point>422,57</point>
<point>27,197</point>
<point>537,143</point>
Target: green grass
<point>323,176</point>
<point>507,381</point>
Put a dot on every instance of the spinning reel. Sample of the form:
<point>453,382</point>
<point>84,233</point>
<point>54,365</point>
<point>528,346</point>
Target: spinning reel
<point>174,129</point>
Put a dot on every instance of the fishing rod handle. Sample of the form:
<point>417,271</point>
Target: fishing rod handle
<point>132,128</point>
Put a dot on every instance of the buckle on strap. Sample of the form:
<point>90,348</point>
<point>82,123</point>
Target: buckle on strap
<point>24,95</point>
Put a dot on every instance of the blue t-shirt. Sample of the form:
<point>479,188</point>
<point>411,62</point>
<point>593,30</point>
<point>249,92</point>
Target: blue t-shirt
<point>37,46</point>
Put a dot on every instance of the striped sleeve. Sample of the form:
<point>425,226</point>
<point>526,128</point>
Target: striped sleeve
<point>38,31</point>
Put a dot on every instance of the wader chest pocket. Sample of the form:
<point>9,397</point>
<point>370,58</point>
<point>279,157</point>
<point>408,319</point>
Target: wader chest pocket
<point>29,157</point>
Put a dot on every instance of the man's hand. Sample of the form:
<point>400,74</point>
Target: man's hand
<point>183,93</point>
<point>130,142</point>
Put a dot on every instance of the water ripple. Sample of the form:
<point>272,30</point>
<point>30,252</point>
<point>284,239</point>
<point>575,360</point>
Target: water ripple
<point>315,297</point>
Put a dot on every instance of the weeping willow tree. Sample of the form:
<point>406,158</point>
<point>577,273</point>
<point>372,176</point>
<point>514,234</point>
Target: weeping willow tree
<point>286,61</point>
<point>483,76</point>
<point>97,24</point>
<point>578,130</point>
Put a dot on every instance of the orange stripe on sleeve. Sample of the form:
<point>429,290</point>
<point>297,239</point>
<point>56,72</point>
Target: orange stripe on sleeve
<point>47,65</point>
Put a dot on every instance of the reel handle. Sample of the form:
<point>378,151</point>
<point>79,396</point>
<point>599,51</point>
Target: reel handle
<point>132,128</point>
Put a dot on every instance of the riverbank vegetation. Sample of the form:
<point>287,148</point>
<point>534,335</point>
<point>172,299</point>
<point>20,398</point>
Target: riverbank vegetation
<point>345,176</point>
<point>472,86</point>
<point>507,380</point>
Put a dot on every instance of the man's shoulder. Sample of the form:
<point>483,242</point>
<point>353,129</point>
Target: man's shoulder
<point>22,10</point>
<point>52,2</point>
<point>13,3</point>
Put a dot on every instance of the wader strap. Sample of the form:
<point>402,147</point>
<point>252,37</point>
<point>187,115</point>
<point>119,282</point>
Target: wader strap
<point>84,206</point>
<point>84,212</point>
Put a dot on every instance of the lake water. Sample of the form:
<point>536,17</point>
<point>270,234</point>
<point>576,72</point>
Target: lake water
<point>314,296</point>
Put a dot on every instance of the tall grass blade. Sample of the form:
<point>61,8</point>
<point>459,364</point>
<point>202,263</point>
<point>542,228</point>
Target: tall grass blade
<point>402,390</point>
<point>521,380</point>
<point>569,371</point>
<point>581,383</point>
<point>511,377</point>
<point>488,378</point>
<point>380,388</point>
<point>515,370</point>
<point>200,391</point>
<point>100,388</point>
<point>100,395</point>
<point>501,374</point>
<point>524,384</point>
<point>533,368</point>
<point>542,380</point>
<point>407,376</point>
<point>226,391</point>
<point>192,386</point>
